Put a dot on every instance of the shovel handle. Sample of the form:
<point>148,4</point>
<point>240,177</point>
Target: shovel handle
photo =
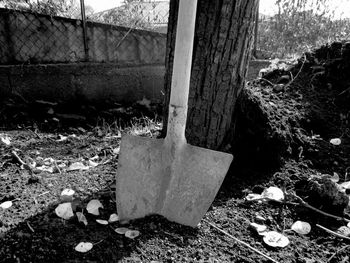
<point>180,83</point>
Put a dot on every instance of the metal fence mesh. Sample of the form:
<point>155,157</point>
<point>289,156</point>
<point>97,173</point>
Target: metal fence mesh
<point>57,31</point>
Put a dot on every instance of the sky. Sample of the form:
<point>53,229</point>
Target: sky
<point>267,7</point>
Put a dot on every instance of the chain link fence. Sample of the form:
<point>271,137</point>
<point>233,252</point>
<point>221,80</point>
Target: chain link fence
<point>67,31</point>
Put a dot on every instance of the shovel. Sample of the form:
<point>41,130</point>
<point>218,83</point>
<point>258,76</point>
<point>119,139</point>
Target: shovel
<point>168,176</point>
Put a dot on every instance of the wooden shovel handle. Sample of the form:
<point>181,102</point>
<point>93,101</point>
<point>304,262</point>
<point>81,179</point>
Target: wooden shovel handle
<point>180,83</point>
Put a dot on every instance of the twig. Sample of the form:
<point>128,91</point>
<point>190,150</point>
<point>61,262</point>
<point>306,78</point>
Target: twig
<point>338,251</point>
<point>269,82</point>
<point>297,75</point>
<point>241,242</point>
<point>302,202</point>
<point>26,166</point>
<point>332,232</point>
<point>30,227</point>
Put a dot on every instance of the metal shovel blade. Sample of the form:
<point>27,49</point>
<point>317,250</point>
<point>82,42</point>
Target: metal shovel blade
<point>179,185</point>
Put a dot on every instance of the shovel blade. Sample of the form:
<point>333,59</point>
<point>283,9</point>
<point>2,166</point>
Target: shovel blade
<point>197,175</point>
<point>178,185</point>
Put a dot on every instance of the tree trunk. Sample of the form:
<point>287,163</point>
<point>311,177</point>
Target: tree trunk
<point>223,38</point>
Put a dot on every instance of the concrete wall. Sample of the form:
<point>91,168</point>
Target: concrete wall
<point>35,38</point>
<point>88,82</point>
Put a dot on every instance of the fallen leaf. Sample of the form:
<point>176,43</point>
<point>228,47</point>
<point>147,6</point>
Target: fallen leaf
<point>81,218</point>
<point>300,227</point>
<point>83,247</point>
<point>64,211</point>
<point>102,222</point>
<point>273,193</point>
<point>77,166</point>
<point>45,168</point>
<point>335,141</point>
<point>6,204</point>
<point>67,195</point>
<point>113,218</point>
<point>121,230</point>
<point>93,206</point>
<point>275,239</point>
<point>252,197</point>
<point>132,234</point>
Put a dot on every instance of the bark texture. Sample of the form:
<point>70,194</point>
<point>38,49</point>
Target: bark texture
<point>223,38</point>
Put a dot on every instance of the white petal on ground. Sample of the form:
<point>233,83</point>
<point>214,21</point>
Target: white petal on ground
<point>132,234</point>
<point>121,230</point>
<point>275,239</point>
<point>67,194</point>
<point>64,211</point>
<point>6,204</point>
<point>273,193</point>
<point>257,227</point>
<point>251,197</point>
<point>93,206</point>
<point>302,228</point>
<point>6,140</point>
<point>335,141</point>
<point>83,247</point>
<point>113,218</point>
<point>102,222</point>
<point>77,167</point>
<point>81,218</point>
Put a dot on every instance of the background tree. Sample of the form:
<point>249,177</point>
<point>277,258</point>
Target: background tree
<point>223,38</point>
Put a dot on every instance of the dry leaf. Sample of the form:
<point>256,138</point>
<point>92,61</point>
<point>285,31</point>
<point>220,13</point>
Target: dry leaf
<point>335,178</point>
<point>275,239</point>
<point>83,247</point>
<point>64,210</point>
<point>81,218</point>
<point>121,230</point>
<point>6,205</point>
<point>113,218</point>
<point>335,141</point>
<point>93,206</point>
<point>302,228</point>
<point>102,222</point>
<point>132,234</point>
<point>273,193</point>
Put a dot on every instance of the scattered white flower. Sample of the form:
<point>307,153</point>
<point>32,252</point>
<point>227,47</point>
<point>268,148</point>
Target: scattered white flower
<point>93,206</point>
<point>64,210</point>
<point>67,195</point>
<point>251,197</point>
<point>273,193</point>
<point>81,218</point>
<point>300,227</point>
<point>113,218</point>
<point>6,204</point>
<point>275,239</point>
<point>102,222</point>
<point>83,247</point>
<point>132,234</point>
<point>335,141</point>
<point>121,230</point>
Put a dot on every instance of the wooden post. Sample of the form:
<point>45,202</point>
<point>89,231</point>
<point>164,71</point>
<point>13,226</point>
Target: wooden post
<point>83,20</point>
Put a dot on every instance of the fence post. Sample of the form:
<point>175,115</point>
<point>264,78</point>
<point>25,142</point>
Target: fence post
<point>256,31</point>
<point>83,19</point>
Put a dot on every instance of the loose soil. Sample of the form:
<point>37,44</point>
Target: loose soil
<point>282,139</point>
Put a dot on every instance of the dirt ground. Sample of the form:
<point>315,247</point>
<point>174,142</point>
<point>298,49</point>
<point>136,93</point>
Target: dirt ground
<point>283,139</point>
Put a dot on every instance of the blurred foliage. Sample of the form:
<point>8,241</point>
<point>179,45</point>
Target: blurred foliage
<point>130,14</point>
<point>300,25</point>
<point>65,8</point>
